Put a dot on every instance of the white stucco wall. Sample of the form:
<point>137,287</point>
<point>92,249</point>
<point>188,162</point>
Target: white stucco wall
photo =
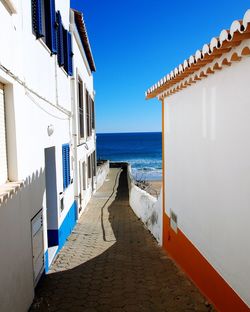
<point>87,145</point>
<point>16,275</point>
<point>102,172</point>
<point>207,161</point>
<point>146,207</point>
<point>27,119</point>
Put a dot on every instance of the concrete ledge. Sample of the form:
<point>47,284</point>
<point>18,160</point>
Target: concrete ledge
<point>9,189</point>
<point>146,207</point>
<point>102,172</point>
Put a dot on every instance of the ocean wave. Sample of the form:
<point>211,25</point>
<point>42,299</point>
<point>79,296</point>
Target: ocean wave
<point>144,163</point>
<point>145,169</point>
<point>146,174</point>
<point>149,169</point>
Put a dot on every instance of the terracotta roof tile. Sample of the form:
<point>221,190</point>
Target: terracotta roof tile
<point>218,46</point>
<point>79,21</point>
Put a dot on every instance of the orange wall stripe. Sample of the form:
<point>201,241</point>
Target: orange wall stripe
<point>163,164</point>
<point>204,276</point>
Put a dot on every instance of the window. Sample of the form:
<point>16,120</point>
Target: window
<point>66,165</point>
<point>80,108</point>
<point>60,53</point>
<point>37,18</point>
<point>89,167</point>
<point>93,114</point>
<point>83,175</point>
<point>89,113</point>
<point>64,46</point>
<point>94,163</point>
<point>3,146</point>
<point>47,24</point>
<point>44,22</point>
<point>68,53</point>
<point>50,25</point>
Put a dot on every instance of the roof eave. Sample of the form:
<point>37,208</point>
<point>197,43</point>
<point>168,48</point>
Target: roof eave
<point>228,39</point>
<point>82,30</point>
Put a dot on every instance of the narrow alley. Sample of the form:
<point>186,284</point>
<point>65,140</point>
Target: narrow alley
<point>112,263</point>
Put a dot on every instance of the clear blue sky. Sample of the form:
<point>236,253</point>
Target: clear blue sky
<point>137,42</point>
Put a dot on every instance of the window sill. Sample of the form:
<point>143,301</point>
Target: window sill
<point>9,189</point>
<point>42,42</point>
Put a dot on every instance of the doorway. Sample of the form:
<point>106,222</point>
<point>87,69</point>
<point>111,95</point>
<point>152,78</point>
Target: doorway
<point>51,201</point>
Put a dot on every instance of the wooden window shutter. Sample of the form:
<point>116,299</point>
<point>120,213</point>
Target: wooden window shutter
<point>66,165</point>
<point>50,24</point>
<point>37,23</point>
<point>68,53</point>
<point>60,49</point>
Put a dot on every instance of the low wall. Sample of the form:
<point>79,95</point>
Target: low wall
<point>146,207</point>
<point>102,172</point>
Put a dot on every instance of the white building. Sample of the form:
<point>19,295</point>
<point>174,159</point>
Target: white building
<point>206,161</point>
<point>47,139</point>
<point>83,129</point>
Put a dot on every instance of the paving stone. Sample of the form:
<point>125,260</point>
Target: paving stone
<point>112,263</point>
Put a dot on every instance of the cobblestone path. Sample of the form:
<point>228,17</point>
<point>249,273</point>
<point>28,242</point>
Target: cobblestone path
<point>112,263</point>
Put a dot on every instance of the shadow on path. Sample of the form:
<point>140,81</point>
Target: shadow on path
<point>133,274</point>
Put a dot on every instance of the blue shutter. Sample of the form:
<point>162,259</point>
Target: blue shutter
<point>37,23</point>
<point>66,165</point>
<point>68,53</point>
<point>65,49</point>
<point>50,23</point>
<point>60,53</point>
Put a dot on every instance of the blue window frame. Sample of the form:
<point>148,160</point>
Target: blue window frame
<point>66,165</point>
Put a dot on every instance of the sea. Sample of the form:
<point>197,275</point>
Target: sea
<point>142,150</point>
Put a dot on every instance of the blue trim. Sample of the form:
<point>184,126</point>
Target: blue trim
<point>46,261</point>
<point>67,226</point>
<point>59,236</point>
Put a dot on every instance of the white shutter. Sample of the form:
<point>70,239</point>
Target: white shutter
<point>3,154</point>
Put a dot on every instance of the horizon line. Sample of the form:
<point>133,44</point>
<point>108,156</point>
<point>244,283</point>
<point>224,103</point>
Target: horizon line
<point>128,132</point>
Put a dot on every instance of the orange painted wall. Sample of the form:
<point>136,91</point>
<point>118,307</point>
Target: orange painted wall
<point>187,256</point>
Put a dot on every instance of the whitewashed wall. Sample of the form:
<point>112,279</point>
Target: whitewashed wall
<point>87,146</point>
<point>207,161</point>
<point>27,119</point>
<point>102,172</point>
<point>146,207</point>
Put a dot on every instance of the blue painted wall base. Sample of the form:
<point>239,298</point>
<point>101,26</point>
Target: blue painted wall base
<point>59,236</point>
<point>46,261</point>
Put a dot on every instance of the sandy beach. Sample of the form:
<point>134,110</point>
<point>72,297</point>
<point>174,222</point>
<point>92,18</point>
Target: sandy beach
<point>154,187</point>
